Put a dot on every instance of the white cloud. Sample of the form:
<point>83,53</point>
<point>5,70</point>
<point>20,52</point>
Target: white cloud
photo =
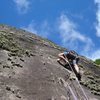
<point>98,18</point>
<point>71,38</point>
<point>41,29</point>
<point>44,29</point>
<point>31,28</point>
<point>95,55</point>
<point>22,5</point>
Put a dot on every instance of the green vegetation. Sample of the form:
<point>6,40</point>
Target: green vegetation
<point>87,72</point>
<point>50,43</point>
<point>97,61</point>
<point>80,66</point>
<point>7,42</point>
<point>93,83</point>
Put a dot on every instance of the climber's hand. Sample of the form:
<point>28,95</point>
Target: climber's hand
<point>66,61</point>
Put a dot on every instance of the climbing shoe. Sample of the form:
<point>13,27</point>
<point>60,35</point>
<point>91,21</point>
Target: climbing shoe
<point>78,76</point>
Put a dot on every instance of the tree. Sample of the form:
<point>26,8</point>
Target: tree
<point>97,61</point>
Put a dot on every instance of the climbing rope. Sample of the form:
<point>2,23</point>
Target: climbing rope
<point>75,98</point>
<point>76,91</point>
<point>78,81</point>
<point>68,86</point>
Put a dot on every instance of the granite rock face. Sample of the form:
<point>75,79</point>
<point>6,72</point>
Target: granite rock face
<point>29,70</point>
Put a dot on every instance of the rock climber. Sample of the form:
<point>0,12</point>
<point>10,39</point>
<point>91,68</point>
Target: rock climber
<point>72,58</point>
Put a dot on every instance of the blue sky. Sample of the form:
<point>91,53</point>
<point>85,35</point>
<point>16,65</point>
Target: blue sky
<point>74,24</point>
